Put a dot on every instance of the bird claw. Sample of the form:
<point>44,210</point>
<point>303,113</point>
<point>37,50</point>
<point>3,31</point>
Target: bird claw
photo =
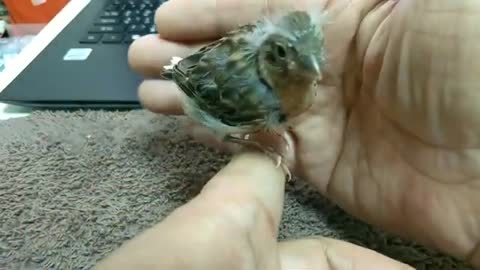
<point>285,141</point>
<point>278,159</point>
<point>284,166</point>
<point>287,173</point>
<point>283,137</point>
<point>269,151</point>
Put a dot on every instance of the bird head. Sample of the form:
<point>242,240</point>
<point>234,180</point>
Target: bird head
<point>294,49</point>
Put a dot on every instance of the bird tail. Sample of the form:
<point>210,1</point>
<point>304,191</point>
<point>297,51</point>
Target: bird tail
<point>167,73</point>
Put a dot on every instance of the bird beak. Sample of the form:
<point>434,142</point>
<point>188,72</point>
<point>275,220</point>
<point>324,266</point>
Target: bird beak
<point>311,64</point>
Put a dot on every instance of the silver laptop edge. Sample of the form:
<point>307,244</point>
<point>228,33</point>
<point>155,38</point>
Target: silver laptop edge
<point>41,41</point>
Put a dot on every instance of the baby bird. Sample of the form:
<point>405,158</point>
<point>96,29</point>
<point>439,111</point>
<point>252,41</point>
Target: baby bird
<point>255,78</point>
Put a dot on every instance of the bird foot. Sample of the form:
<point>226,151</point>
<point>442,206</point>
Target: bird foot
<point>284,166</point>
<point>279,161</point>
<point>283,137</point>
<point>269,151</point>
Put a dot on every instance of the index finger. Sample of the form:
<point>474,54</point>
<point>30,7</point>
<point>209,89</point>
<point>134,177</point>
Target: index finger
<point>186,20</point>
<point>242,203</point>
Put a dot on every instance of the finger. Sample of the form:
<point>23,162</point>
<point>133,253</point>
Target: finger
<point>284,146</point>
<point>208,138</point>
<point>215,229</point>
<point>248,193</point>
<point>370,24</point>
<point>148,54</point>
<point>344,18</point>
<point>160,96</point>
<point>252,177</point>
<point>213,18</point>
<point>330,254</point>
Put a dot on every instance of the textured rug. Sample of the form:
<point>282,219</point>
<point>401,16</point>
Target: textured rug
<point>75,185</point>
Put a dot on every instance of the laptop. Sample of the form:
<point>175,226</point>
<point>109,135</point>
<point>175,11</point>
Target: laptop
<point>79,59</point>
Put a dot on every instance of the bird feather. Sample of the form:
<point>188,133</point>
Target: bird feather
<point>220,88</point>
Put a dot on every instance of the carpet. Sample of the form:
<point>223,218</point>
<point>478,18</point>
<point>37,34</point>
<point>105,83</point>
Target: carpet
<point>75,185</point>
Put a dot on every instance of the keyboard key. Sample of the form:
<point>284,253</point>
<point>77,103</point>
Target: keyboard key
<point>112,8</point>
<point>137,28</point>
<point>122,7</point>
<point>148,13</point>
<point>137,19</point>
<point>107,29</point>
<point>104,21</point>
<point>148,21</point>
<point>123,21</point>
<point>131,37</point>
<point>110,14</point>
<point>132,4</point>
<point>91,38</point>
<point>127,21</point>
<point>112,38</point>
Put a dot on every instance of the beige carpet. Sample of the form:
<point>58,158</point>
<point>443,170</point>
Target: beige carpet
<point>74,186</point>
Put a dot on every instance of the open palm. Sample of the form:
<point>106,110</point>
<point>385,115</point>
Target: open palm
<point>393,134</point>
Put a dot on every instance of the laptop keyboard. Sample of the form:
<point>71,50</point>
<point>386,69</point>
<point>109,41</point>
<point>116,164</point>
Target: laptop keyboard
<point>122,21</point>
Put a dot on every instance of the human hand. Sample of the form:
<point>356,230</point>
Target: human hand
<point>392,139</point>
<point>233,224</point>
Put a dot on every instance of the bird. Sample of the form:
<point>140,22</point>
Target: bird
<point>255,78</point>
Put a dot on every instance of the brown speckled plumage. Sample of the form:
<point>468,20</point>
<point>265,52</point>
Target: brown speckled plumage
<point>255,78</point>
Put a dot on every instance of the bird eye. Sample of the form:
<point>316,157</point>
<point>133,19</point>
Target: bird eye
<point>280,51</point>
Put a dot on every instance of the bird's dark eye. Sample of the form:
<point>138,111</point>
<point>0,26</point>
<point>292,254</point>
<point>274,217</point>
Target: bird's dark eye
<point>280,51</point>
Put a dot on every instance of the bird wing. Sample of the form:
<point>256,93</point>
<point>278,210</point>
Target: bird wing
<point>188,63</point>
<point>182,70</point>
<point>222,79</point>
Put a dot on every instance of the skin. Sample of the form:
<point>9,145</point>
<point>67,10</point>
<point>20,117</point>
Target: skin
<point>392,138</point>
